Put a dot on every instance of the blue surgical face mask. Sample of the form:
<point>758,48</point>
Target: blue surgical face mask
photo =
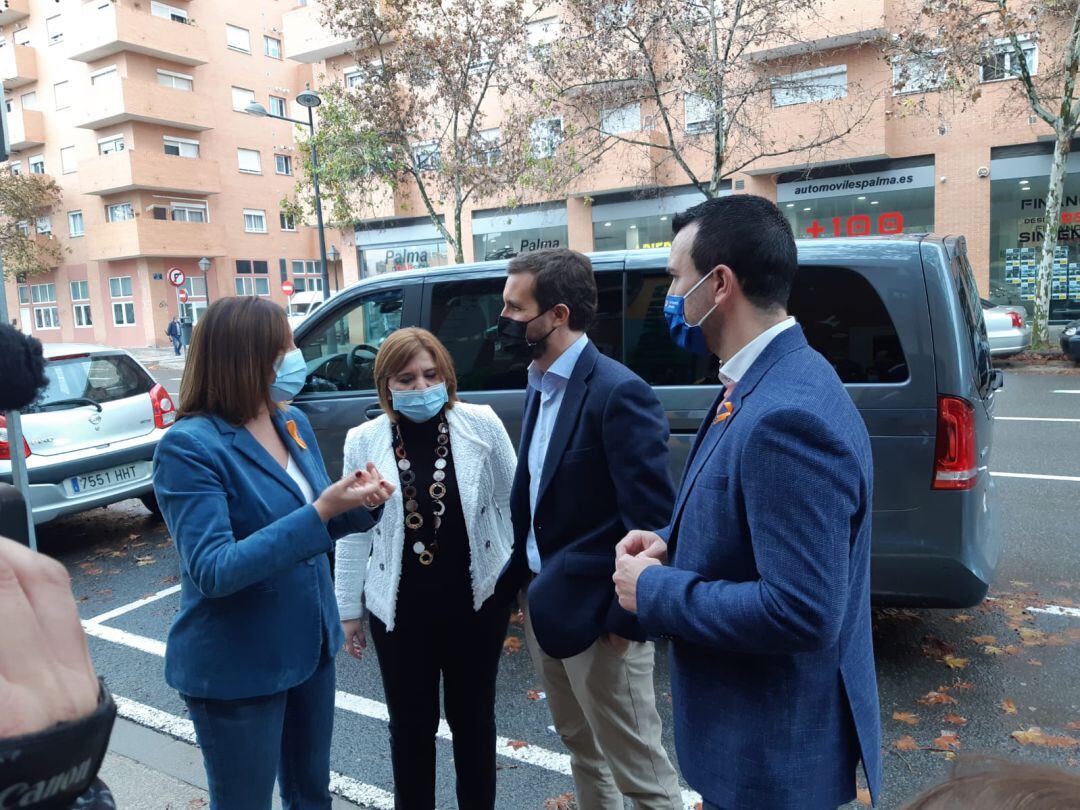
<point>291,375</point>
<point>687,336</point>
<point>421,405</point>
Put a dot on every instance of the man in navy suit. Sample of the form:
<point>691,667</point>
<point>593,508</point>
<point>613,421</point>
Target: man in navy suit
<point>592,463</point>
<point>766,590</point>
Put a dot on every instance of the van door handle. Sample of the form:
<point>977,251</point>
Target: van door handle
<point>373,411</point>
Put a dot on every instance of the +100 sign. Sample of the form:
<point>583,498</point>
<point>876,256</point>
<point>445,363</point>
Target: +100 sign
<point>888,223</point>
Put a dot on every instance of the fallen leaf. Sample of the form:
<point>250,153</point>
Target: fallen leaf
<point>1073,726</point>
<point>1012,649</point>
<point>517,618</point>
<point>147,560</point>
<point>516,744</point>
<point>1035,662</point>
<point>906,743</point>
<point>906,717</point>
<point>197,802</point>
<point>990,649</point>
<point>952,662</point>
<point>963,686</point>
<point>963,618</point>
<point>1032,637</point>
<point>863,795</point>
<point>564,802</point>
<point>933,647</point>
<point>936,699</point>
<point>1008,706</point>
<point>511,645</point>
<point>984,639</point>
<point>134,536</point>
<point>535,694</point>
<point>93,571</point>
<point>170,580</point>
<point>1023,586</point>
<point>946,741</point>
<point>955,720</point>
<point>1036,736</point>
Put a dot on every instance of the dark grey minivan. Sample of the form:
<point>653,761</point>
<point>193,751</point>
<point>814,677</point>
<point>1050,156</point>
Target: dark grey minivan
<point>898,317</point>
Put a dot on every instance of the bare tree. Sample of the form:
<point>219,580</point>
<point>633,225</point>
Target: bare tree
<point>950,43</point>
<point>24,199</point>
<point>701,75</point>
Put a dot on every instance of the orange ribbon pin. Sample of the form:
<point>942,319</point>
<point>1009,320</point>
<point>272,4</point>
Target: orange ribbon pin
<point>291,425</point>
<point>723,412</point>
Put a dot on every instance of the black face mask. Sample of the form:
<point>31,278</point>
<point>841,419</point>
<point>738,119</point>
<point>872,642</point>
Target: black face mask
<point>514,338</point>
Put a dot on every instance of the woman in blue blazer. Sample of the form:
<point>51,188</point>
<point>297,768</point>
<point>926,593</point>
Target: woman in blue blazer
<point>253,514</point>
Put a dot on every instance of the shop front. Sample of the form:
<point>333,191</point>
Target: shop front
<point>389,247</point>
<point>875,198</point>
<point>632,221</point>
<point>505,234</point>
<point>1018,187</point>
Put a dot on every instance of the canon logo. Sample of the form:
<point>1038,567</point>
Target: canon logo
<point>26,795</point>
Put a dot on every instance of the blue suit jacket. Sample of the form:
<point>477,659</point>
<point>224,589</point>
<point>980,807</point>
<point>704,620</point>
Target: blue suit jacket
<point>767,594</point>
<point>606,471</point>
<point>256,601</point>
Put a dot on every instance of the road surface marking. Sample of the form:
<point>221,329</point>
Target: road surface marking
<point>1057,610</point>
<point>1068,391</point>
<point>146,600</point>
<point>1034,477</point>
<point>1031,419</point>
<point>345,786</point>
<point>365,707</point>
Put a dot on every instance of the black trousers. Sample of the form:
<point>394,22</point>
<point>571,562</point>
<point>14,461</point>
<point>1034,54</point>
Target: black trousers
<point>435,638</point>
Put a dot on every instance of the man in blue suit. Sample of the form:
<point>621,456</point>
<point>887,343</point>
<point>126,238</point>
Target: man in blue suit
<point>592,463</point>
<point>766,590</point>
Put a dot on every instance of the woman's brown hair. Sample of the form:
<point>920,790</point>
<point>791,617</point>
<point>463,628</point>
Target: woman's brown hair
<point>989,783</point>
<point>398,350</point>
<point>230,362</point>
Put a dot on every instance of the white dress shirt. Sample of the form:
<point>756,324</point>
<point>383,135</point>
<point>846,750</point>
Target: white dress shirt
<point>552,386</point>
<point>296,474</point>
<point>735,369</point>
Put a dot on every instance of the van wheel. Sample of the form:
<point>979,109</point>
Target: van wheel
<point>149,500</point>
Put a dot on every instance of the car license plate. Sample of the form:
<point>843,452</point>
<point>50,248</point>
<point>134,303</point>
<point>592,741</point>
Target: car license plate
<point>103,479</point>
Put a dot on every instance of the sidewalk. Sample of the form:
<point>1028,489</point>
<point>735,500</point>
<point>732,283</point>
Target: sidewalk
<point>164,358</point>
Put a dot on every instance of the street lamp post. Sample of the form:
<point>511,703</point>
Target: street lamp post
<point>204,265</point>
<point>310,100</point>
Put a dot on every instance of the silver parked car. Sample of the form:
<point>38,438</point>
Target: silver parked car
<point>1007,328</point>
<point>90,438</point>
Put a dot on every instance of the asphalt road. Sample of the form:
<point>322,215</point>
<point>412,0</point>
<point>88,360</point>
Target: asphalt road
<point>1012,669</point>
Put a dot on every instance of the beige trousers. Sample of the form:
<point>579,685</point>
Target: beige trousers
<point>604,707</point>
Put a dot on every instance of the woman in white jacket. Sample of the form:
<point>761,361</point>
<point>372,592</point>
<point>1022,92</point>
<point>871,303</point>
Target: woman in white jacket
<point>427,572</point>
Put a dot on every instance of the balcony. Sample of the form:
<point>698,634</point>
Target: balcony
<point>115,28</point>
<point>152,171</point>
<point>308,40</point>
<point>18,66</point>
<point>834,24</point>
<point>27,129</point>
<point>122,100</point>
<point>145,237</point>
<point>13,11</point>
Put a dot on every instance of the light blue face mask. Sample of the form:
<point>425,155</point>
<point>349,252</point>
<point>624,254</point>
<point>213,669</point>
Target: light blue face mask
<point>422,405</point>
<point>687,336</point>
<point>291,375</point>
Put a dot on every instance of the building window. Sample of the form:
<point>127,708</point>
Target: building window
<point>288,222</point>
<point>541,33</point>
<point>68,164</point>
<point>257,266</point>
<point>61,95</point>
<point>120,212</point>
<point>490,148</point>
<point>16,167</point>
<point>29,100</point>
<point>167,12</point>
<point>823,84</point>
<point>249,161</point>
<point>45,317</point>
<point>699,112</point>
<point>21,36</point>
<point>254,220</point>
<point>44,226</point>
<point>120,286</point>
<point>916,75</point>
<point>307,275</point>
<point>104,76</point>
<point>283,164</point>
<point>189,212</point>
<point>241,98</point>
<point>37,164</point>
<point>181,147</point>
<point>1002,62</point>
<point>272,47</point>
<point>24,294</point>
<point>546,135</point>
<point>54,29</point>
<point>115,143</point>
<point>277,106</point>
<point>621,119</point>
<point>238,39</point>
<point>123,311</point>
<point>426,156</point>
<point>353,77</point>
<point>80,303</point>
<point>252,286</point>
<point>75,223</point>
<point>177,81</point>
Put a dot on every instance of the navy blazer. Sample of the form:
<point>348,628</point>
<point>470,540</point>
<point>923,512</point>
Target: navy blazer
<point>256,601</point>
<point>605,472</point>
<point>767,594</point>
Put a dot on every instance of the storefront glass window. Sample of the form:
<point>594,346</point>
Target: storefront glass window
<point>1017,229</point>
<point>869,213</point>
<point>507,244</point>
<point>632,234</point>
<point>379,259</point>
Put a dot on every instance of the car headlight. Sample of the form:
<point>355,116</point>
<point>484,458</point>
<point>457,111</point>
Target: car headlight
<point>1070,331</point>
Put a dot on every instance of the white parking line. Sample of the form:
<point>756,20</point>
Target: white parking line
<point>1032,476</point>
<point>1032,419</point>
<point>1057,610</point>
<point>120,611</point>
<point>182,729</point>
<point>1068,391</point>
<point>528,754</point>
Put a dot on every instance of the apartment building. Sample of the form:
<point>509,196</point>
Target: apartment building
<point>135,108</point>
<point>981,172</point>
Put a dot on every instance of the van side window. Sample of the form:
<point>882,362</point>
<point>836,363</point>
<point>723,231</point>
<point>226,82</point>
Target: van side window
<point>464,315</point>
<point>846,321</point>
<point>650,352</point>
<point>971,307</point>
<point>340,355</point>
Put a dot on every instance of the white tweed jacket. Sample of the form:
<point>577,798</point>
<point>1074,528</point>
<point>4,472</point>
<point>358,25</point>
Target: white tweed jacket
<point>368,565</point>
